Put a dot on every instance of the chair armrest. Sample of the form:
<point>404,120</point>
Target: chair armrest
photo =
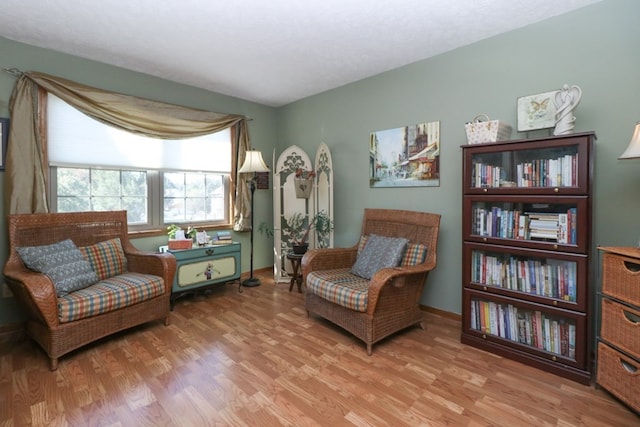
<point>404,280</point>
<point>36,291</point>
<point>328,259</point>
<point>158,264</point>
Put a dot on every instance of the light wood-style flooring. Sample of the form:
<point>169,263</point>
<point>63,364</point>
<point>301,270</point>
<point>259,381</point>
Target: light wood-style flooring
<point>255,359</point>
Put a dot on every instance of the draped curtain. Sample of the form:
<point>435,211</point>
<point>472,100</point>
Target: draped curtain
<point>26,163</point>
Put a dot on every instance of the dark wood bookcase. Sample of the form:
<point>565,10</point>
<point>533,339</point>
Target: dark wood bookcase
<point>526,275</point>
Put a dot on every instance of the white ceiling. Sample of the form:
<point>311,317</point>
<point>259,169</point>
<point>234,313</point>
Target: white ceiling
<point>271,52</point>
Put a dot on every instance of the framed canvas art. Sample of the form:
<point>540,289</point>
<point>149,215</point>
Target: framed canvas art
<point>408,156</point>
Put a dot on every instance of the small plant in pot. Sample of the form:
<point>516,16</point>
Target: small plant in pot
<point>298,227</point>
<point>173,229</point>
<point>185,242</point>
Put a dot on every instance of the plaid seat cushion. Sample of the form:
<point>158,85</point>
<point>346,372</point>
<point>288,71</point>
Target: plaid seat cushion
<point>341,287</point>
<point>109,295</point>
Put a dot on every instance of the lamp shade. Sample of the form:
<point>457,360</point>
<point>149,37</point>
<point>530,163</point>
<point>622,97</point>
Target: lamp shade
<point>633,150</point>
<point>253,163</point>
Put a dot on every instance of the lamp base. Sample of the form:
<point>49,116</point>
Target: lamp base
<point>251,282</point>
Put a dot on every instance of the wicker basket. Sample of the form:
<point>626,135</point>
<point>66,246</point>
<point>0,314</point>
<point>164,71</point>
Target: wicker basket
<point>175,244</point>
<point>621,278</point>
<point>620,326</point>
<point>482,129</point>
<point>619,374</point>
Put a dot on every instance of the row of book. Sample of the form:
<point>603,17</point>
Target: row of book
<point>557,172</point>
<point>560,227</point>
<point>560,172</point>
<point>545,277</point>
<point>532,328</point>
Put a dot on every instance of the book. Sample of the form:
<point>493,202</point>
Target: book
<point>572,340</point>
<point>563,236</point>
<point>573,231</point>
<point>223,236</point>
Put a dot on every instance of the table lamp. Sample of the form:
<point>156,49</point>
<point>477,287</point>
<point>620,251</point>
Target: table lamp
<point>633,150</point>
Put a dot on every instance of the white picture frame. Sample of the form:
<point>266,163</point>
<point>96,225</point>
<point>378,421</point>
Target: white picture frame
<point>202,238</point>
<point>536,111</point>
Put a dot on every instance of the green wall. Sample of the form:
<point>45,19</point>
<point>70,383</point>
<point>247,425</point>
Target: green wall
<point>595,47</point>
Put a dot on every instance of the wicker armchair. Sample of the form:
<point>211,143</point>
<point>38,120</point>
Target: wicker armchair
<point>35,291</point>
<point>392,296</point>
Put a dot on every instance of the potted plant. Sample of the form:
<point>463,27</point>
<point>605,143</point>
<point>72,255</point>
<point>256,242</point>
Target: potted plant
<point>303,181</point>
<point>298,227</point>
<point>183,243</point>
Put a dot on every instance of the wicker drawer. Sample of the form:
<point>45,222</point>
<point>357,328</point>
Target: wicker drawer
<point>619,374</point>
<point>621,326</point>
<point>621,277</point>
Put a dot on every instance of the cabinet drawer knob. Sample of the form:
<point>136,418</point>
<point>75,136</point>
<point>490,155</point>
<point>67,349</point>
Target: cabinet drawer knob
<point>484,336</point>
<point>554,358</point>
<point>484,239</point>
<point>485,189</point>
<point>555,190</point>
<point>555,246</point>
<point>555,302</point>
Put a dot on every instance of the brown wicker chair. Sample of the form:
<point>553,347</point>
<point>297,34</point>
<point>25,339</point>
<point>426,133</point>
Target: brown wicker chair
<point>36,292</point>
<point>393,293</point>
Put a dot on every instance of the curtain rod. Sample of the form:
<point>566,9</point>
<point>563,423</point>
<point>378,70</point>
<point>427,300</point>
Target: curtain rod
<point>13,71</point>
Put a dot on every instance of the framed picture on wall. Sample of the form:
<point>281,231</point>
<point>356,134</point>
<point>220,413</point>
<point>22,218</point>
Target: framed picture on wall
<point>408,156</point>
<point>536,111</point>
<point>4,136</point>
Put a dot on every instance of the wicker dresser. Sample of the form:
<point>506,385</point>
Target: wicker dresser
<point>619,339</point>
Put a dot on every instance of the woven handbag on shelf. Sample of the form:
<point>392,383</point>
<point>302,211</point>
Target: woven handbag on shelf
<point>482,129</point>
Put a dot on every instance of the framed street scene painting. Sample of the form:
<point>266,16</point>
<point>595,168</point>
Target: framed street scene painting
<point>407,156</point>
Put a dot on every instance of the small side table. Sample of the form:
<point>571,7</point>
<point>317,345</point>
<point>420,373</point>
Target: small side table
<point>296,277</point>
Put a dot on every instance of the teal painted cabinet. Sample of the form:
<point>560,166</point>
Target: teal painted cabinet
<point>201,267</point>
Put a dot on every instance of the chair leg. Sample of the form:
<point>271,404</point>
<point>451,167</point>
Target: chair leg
<point>53,363</point>
<point>369,349</point>
<point>421,324</point>
<point>167,321</point>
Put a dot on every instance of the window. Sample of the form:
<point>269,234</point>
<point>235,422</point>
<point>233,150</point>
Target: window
<point>94,166</point>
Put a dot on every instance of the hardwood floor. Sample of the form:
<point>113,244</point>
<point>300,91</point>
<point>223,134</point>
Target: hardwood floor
<point>255,359</point>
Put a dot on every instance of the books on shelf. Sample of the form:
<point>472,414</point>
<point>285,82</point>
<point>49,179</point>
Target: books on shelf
<point>550,278</point>
<point>527,327</point>
<point>558,171</point>
<point>560,227</point>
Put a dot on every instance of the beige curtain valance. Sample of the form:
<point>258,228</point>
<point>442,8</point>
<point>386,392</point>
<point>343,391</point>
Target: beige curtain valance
<point>26,163</point>
<point>138,115</point>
